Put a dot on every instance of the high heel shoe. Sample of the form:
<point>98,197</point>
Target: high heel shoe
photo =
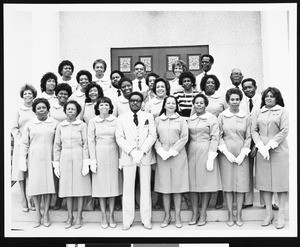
<point>230,223</point>
<point>194,222</point>
<point>69,223</point>
<point>78,225</point>
<point>239,223</point>
<point>202,222</point>
<point>178,224</point>
<point>104,225</point>
<point>267,221</point>
<point>165,224</point>
<point>280,224</point>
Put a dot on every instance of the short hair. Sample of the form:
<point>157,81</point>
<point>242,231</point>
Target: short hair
<point>233,91</point>
<point>117,71</point>
<point>148,76</point>
<point>200,95</point>
<point>167,85</point>
<point>123,79</point>
<point>163,110</point>
<point>187,74</point>
<point>84,72</point>
<point>100,61</point>
<point>249,79</point>
<point>40,100</point>
<point>139,62</point>
<point>89,87</point>
<point>277,94</point>
<point>28,87</point>
<point>64,63</point>
<point>103,100</point>
<point>180,63</point>
<point>45,78</point>
<point>63,87</point>
<point>211,58</point>
<point>77,105</point>
<point>136,93</point>
<point>204,80</point>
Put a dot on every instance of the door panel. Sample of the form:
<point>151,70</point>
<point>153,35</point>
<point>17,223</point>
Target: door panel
<point>157,59</point>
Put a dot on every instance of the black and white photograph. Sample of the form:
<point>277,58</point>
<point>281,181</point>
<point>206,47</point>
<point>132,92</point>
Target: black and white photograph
<point>150,120</point>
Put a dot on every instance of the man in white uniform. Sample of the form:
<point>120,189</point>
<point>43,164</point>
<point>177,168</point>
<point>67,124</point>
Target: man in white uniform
<point>135,135</point>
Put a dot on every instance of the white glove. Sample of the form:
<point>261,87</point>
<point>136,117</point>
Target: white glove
<point>240,158</point>
<point>229,156</point>
<point>137,155</point>
<point>263,150</point>
<point>93,166</point>
<point>55,165</point>
<point>210,160</point>
<point>271,145</point>
<point>172,152</point>
<point>22,164</point>
<point>85,167</point>
<point>163,153</point>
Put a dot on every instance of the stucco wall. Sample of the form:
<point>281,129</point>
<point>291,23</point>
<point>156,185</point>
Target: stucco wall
<point>234,38</point>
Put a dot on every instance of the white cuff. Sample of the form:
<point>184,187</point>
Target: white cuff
<point>222,148</point>
<point>259,145</point>
<point>55,164</point>
<point>93,162</point>
<point>173,152</point>
<point>245,151</point>
<point>272,144</point>
<point>212,155</point>
<point>86,162</point>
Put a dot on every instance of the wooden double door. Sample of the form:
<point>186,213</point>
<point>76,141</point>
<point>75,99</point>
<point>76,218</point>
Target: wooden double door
<point>157,59</point>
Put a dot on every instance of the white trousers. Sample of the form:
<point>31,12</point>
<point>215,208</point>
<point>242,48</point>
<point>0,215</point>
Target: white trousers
<point>129,173</point>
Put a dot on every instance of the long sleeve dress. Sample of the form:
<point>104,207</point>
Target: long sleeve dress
<point>37,141</point>
<point>71,150</point>
<point>235,134</point>
<point>272,125</point>
<point>171,175</point>
<point>107,182</point>
<point>203,138</point>
<point>23,115</point>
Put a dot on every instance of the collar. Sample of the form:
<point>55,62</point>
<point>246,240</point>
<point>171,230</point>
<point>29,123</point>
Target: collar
<point>78,93</point>
<point>274,108</point>
<point>253,98</point>
<point>48,120</point>
<point>66,123</point>
<point>216,95</point>
<point>228,113</point>
<point>90,103</point>
<point>164,117</point>
<point>204,116</point>
<point>47,96</point>
<point>56,105</point>
<point>24,107</point>
<point>110,118</point>
<point>122,99</point>
<point>156,101</point>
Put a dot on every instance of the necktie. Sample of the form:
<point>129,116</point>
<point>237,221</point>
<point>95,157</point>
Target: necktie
<point>119,92</point>
<point>140,85</point>
<point>135,119</point>
<point>250,105</point>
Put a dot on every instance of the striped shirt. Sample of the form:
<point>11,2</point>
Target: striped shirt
<point>185,101</point>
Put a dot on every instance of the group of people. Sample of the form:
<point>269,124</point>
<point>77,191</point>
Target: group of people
<point>93,138</point>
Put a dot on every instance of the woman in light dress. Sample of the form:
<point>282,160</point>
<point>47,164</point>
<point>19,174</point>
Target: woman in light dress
<point>104,155</point>
<point>235,140</point>
<point>23,114</point>
<point>37,142</point>
<point>171,175</point>
<point>270,127</point>
<point>92,93</point>
<point>48,85</point>
<point>71,161</point>
<point>178,67</point>
<point>204,173</point>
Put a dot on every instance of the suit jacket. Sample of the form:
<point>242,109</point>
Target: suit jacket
<point>130,136</point>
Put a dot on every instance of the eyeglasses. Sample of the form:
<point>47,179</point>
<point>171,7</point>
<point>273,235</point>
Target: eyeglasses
<point>135,100</point>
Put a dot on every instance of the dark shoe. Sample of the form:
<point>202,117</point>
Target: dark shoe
<point>247,206</point>
<point>118,207</point>
<point>275,207</point>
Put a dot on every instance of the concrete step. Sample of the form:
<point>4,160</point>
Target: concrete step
<point>255,213</point>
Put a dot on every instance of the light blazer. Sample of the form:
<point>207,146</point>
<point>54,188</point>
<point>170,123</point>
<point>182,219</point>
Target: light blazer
<point>130,136</point>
